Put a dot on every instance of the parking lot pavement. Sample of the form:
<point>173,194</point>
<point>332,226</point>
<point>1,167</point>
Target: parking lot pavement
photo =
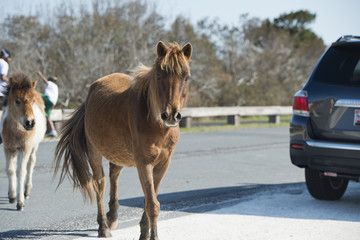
<point>285,213</point>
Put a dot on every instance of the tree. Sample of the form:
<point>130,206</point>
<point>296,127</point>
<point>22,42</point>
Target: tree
<point>254,62</point>
<point>296,23</point>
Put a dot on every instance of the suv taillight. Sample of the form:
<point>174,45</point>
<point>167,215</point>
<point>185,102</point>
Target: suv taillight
<point>300,103</point>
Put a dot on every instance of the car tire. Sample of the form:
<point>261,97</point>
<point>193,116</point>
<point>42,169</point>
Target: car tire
<point>324,188</point>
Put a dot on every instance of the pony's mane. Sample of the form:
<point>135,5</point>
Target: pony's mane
<point>19,80</point>
<point>144,82</point>
<point>174,61</point>
<point>142,77</point>
<point>143,85</point>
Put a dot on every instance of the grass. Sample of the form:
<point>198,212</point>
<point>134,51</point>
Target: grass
<point>217,124</point>
<point>229,127</point>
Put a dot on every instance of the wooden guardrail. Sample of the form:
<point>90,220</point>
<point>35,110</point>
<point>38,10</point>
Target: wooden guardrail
<point>233,114</point>
<point>59,115</point>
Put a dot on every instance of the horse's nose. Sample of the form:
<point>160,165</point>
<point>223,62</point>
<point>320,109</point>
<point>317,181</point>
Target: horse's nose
<point>164,116</point>
<point>29,124</point>
<point>171,120</point>
<point>177,116</point>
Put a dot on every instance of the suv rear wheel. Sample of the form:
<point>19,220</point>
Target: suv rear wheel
<point>324,188</point>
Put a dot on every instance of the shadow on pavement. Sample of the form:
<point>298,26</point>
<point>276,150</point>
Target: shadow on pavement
<point>38,233</point>
<point>273,200</point>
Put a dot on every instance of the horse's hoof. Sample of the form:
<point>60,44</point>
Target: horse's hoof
<point>144,238</point>
<point>12,200</point>
<point>113,225</point>
<point>112,219</point>
<point>27,192</point>
<point>20,206</point>
<point>104,233</point>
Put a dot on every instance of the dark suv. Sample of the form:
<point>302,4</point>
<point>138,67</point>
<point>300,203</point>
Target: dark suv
<point>325,126</point>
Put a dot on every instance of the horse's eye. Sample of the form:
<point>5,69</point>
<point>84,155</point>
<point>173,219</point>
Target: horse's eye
<point>158,76</point>
<point>17,101</point>
<point>187,78</point>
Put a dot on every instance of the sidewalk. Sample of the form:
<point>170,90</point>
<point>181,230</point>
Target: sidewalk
<point>287,215</point>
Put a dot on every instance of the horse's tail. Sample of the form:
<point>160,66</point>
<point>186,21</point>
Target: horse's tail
<point>72,146</point>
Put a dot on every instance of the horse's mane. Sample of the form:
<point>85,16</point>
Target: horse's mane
<point>142,78</point>
<point>144,85</point>
<point>174,61</point>
<point>19,80</point>
<point>144,82</point>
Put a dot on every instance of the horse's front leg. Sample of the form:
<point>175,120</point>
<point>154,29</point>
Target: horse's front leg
<point>24,158</point>
<point>158,174</point>
<point>30,170</point>
<point>144,226</point>
<point>112,215</point>
<point>152,205</point>
<point>11,165</point>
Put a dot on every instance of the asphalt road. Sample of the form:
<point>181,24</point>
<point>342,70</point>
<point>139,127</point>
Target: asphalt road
<point>209,170</point>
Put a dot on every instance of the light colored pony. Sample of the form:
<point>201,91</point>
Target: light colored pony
<point>23,126</point>
<point>132,122</point>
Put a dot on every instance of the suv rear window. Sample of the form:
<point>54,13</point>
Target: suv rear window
<point>340,65</point>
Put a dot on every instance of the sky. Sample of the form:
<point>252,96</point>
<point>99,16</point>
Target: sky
<point>334,18</point>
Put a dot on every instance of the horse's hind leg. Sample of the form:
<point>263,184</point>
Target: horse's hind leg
<point>112,215</point>
<point>30,170</point>
<point>11,165</point>
<point>99,182</point>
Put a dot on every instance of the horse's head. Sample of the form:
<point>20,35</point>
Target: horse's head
<point>21,99</point>
<point>172,73</point>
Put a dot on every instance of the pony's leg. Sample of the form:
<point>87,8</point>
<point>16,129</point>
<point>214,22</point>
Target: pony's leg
<point>158,174</point>
<point>24,158</point>
<point>11,165</point>
<point>112,215</point>
<point>99,182</point>
<point>30,170</point>
<point>144,226</point>
<point>152,205</point>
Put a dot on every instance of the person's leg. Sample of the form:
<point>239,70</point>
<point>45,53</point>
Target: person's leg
<point>48,108</point>
<point>52,132</point>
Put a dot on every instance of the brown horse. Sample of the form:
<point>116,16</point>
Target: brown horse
<point>132,122</point>
<point>23,126</point>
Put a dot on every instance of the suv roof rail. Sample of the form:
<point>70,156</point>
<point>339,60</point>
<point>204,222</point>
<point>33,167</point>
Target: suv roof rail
<point>348,37</point>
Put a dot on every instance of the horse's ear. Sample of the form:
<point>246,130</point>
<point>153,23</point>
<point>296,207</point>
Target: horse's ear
<point>34,83</point>
<point>161,49</point>
<point>187,50</point>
